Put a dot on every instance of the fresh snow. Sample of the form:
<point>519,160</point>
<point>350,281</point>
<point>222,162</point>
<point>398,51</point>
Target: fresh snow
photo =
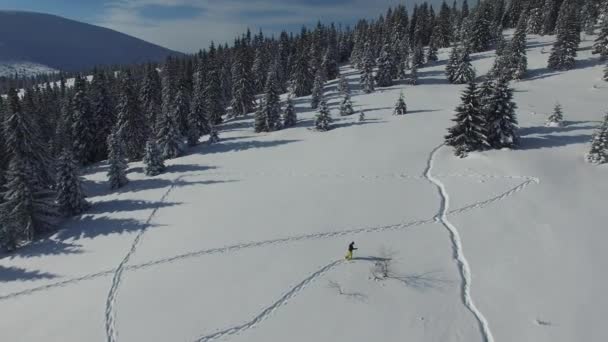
<point>244,240</point>
<point>24,69</point>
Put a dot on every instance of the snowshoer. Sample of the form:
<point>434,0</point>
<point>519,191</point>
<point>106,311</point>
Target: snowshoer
<point>351,248</point>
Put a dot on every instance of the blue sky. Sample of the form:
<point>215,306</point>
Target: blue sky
<point>188,25</point>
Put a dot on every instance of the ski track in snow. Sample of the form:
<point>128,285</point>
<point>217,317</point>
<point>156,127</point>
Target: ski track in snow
<point>237,247</point>
<point>465,269</point>
<point>110,314</point>
<point>272,308</point>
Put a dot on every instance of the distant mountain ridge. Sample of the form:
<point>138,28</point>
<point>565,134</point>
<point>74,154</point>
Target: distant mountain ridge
<point>69,45</point>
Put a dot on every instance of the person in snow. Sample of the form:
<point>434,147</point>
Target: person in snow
<point>351,248</point>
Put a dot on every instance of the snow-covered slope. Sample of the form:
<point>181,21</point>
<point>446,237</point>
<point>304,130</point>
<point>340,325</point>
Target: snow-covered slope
<point>8,68</point>
<point>245,240</point>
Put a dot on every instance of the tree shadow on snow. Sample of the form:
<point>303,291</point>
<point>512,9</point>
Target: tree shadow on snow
<point>551,141</point>
<point>239,146</point>
<point>15,273</point>
<point>545,72</point>
<point>46,246</point>
<point>89,227</point>
<point>116,206</point>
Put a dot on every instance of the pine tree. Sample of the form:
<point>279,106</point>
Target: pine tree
<point>557,118</point>
<point>197,118</point>
<point>214,137</point>
<point>330,64</point>
<point>150,98</point>
<point>431,55</point>
<point>412,78</point>
<point>302,78</point>
<point>153,159</point>
<point>317,90</point>
<point>469,133</point>
<point>601,43</point>
<point>564,49</point>
<point>551,12</point>
<point>400,106</point>
<point>361,116</point>
<point>535,21</point>
<point>463,72</point>
<point>102,113</point>
<point>343,86</point>
<point>214,109</point>
<point>181,109</point>
<point>518,61</point>
<point>117,172</point>
<point>481,33</point>
<point>418,57</point>
<point>323,118</point>
<point>70,197</point>
<point>367,72</point>
<point>132,122</point>
<point>452,65</point>
<point>501,120</point>
<point>243,100</point>
<point>384,76</point>
<point>82,134</point>
<point>598,154</point>
<point>346,106</point>
<point>289,114</point>
<point>170,140</point>
<point>268,114</point>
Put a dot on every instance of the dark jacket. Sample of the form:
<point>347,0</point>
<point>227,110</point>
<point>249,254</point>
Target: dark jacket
<point>351,247</point>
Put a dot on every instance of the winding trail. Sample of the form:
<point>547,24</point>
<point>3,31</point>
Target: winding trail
<point>465,269</point>
<point>236,247</point>
<point>110,313</point>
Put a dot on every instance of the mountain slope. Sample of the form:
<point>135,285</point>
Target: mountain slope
<point>244,240</point>
<point>68,45</point>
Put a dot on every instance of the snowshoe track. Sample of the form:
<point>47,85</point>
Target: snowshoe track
<point>110,314</point>
<point>233,248</point>
<point>464,267</point>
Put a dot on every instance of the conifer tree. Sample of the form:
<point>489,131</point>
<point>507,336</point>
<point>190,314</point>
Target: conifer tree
<point>384,76</point>
<point>70,197</point>
<point>557,118</point>
<point>243,100</point>
<point>343,86</point>
<point>418,57</point>
<point>82,134</point>
<point>346,106</point>
<point>150,98</point>
<point>170,140</point>
<point>412,78</point>
<point>518,61</point>
<point>214,137</point>
<point>268,114</point>
<point>132,122</point>
<point>501,120</point>
<point>302,77</point>
<point>117,172</point>
<point>181,109</point>
<point>452,65</point>
<point>367,72</point>
<point>431,55</point>
<point>317,90</point>
<point>103,114</point>
<point>400,106</point>
<point>601,43</point>
<point>214,104</point>
<point>289,114</point>
<point>323,118</point>
<point>469,133</point>
<point>606,73</point>
<point>193,133</point>
<point>481,33</point>
<point>598,153</point>
<point>153,159</point>
<point>463,72</point>
<point>361,116</point>
<point>551,12</point>
<point>330,64</point>
<point>535,21</point>
<point>564,49</point>
<point>197,117</point>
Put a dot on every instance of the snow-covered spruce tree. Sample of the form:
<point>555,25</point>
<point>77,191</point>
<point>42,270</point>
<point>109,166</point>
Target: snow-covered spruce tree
<point>181,109</point>
<point>82,130</point>
<point>418,56</point>
<point>501,120</point>
<point>346,106</point>
<point>468,134</point>
<point>243,99</point>
<point>556,119</point>
<point>400,106</point>
<point>197,118</point>
<point>268,114</point>
<point>564,49</point>
<point>301,76</point>
<point>535,21</point>
<point>214,136</point>
<point>551,12</point>
<point>598,154</point>
<point>259,69</point>
<point>463,72</point>
<point>103,114</point>
<point>606,73</point>
<point>481,33</point>
<point>150,98</point>
<point>153,159</point>
<point>431,55</point>
<point>117,172</point>
<point>330,64</point>
<point>214,104</point>
<point>132,122</point>
<point>412,78</point>
<point>323,118</point>
<point>343,86</point>
<point>452,64</point>
<point>290,117</point>
<point>384,76</point>
<point>367,72</point>
<point>601,43</point>
<point>317,90</point>
<point>70,197</point>
<point>518,61</point>
<point>361,116</point>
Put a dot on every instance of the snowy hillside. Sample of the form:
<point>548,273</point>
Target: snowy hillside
<point>24,69</point>
<point>245,240</point>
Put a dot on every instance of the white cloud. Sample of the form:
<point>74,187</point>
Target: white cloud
<point>222,20</point>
